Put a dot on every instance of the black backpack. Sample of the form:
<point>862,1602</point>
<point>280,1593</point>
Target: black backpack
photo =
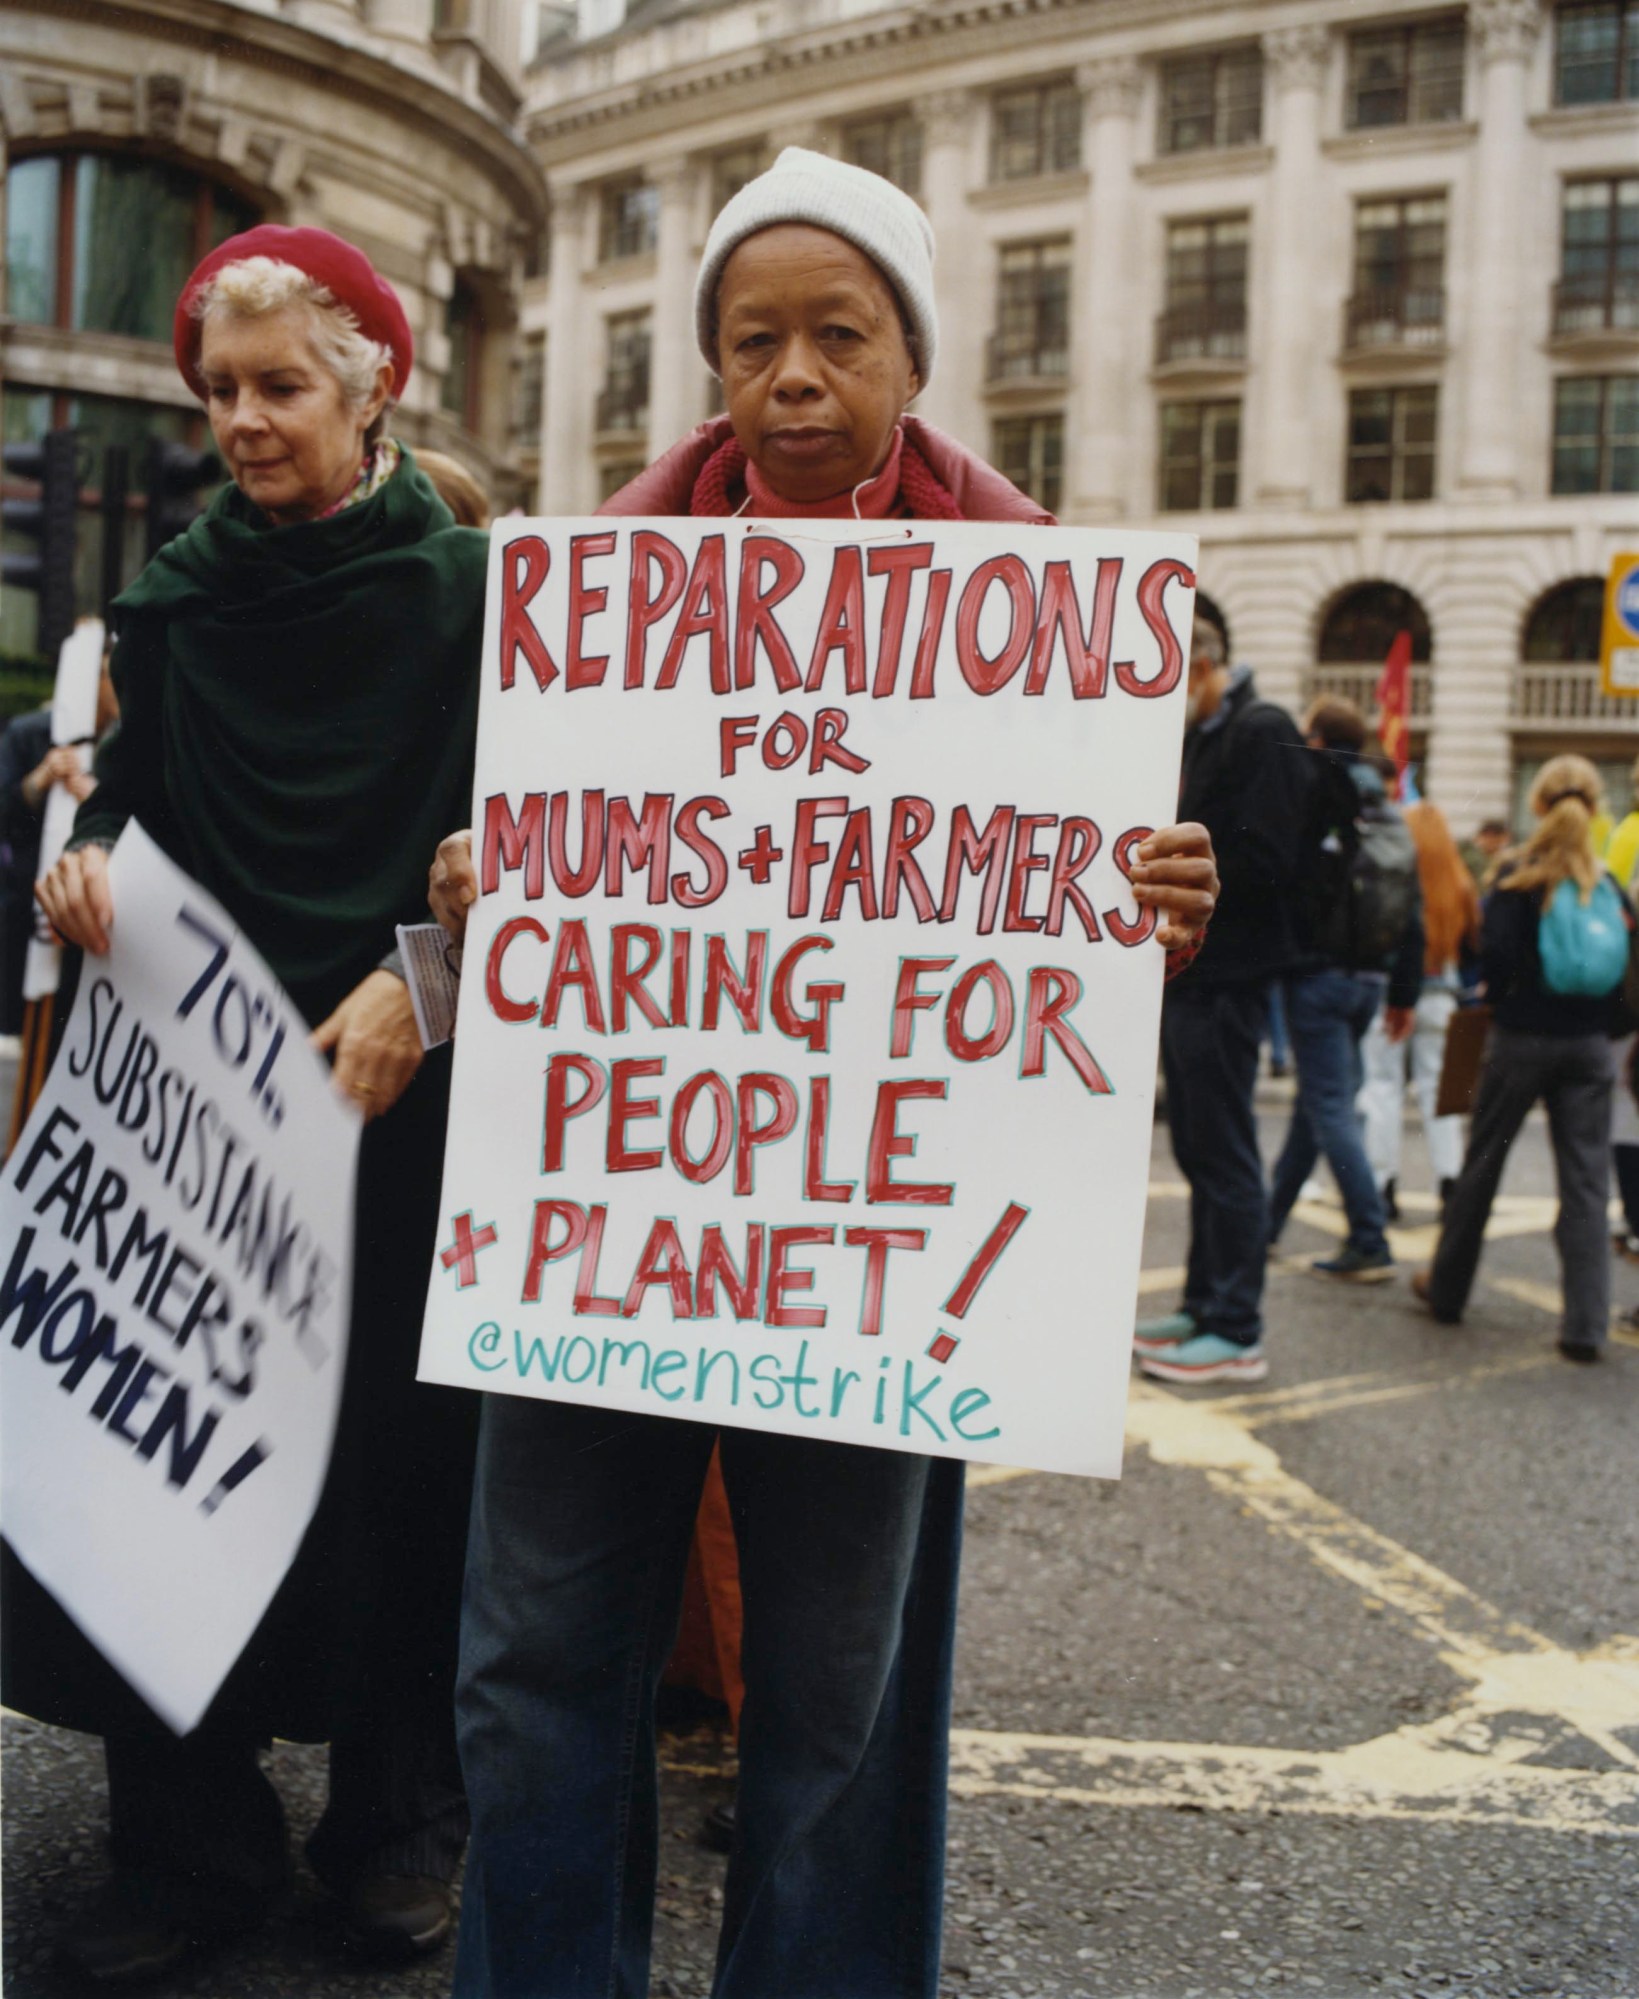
<point>1382,883</point>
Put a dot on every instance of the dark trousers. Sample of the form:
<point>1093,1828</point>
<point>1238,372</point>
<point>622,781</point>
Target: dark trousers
<point>1209,1053</point>
<point>1626,1160</point>
<point>201,1819</point>
<point>1572,1075</point>
<point>580,1533</point>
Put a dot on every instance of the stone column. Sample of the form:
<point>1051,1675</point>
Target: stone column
<point>401,20</point>
<point>1488,371</point>
<point>1290,334</point>
<point>963,280</point>
<point>1103,355</point>
<point>676,371</point>
<point>573,358</point>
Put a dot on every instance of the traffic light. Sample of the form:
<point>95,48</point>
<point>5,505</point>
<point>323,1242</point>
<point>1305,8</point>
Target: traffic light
<point>48,520</point>
<point>175,473</point>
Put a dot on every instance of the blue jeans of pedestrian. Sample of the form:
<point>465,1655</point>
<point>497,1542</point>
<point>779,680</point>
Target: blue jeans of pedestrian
<point>848,1557</point>
<point>1209,1052</point>
<point>1327,1013</point>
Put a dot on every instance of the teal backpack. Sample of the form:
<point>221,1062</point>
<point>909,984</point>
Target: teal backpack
<point>1584,945</point>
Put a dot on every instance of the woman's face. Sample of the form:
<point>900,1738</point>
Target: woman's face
<point>816,369</point>
<point>287,434</point>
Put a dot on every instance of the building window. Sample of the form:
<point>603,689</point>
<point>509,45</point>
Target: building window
<point>731,170</point>
<point>1364,623</point>
<point>1596,51</point>
<point>890,145</point>
<point>1399,272</point>
<point>1200,455</point>
<point>104,242</point>
<point>1209,100</point>
<point>529,393</point>
<point>623,401</point>
<point>1029,450</point>
<point>1205,316</point>
<point>1032,337</point>
<point>1596,434</point>
<point>1391,444</point>
<point>613,473</point>
<point>628,216</point>
<point>1598,287</point>
<point>1036,130</point>
<point>1565,624</point>
<point>464,330</point>
<point>1411,75</point>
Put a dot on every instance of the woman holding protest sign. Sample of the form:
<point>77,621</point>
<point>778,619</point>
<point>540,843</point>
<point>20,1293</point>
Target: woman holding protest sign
<point>815,304</point>
<point>297,675</point>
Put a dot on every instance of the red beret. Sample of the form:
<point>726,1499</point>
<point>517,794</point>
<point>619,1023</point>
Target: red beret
<point>347,273</point>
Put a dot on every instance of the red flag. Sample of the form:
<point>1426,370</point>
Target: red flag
<point>1394,706</point>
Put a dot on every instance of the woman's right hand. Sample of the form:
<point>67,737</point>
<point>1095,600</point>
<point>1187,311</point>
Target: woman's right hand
<point>452,887</point>
<point>76,897</point>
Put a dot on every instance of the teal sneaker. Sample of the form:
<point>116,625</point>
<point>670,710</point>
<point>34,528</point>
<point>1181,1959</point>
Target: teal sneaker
<point>1162,1335</point>
<point>1207,1357</point>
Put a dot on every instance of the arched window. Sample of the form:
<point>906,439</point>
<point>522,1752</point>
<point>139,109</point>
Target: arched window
<point>1562,628</point>
<point>103,242</point>
<point>1207,612</point>
<point>1364,622</point>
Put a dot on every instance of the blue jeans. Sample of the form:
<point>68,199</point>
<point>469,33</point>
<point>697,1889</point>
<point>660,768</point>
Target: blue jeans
<point>1209,1051</point>
<point>1328,1013</point>
<point>848,1557</point>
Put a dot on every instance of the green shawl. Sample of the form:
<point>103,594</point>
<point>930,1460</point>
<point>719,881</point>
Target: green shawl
<point>298,711</point>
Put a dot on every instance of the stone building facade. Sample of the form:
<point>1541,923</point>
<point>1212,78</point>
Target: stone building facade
<point>1351,290</point>
<point>138,133</point>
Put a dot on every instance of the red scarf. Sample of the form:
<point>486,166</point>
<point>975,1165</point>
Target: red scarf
<point>906,487</point>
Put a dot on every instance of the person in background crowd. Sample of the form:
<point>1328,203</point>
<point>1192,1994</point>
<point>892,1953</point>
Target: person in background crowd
<point>814,302</point>
<point>1245,779</point>
<point>1280,1042</point>
<point>457,488</point>
<point>1480,853</point>
<point>1331,996</point>
<point>1451,935</point>
<point>1547,1047</point>
<point>29,766</point>
<point>298,687</point>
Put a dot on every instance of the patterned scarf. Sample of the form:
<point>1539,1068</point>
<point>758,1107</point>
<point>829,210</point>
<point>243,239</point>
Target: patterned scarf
<point>378,467</point>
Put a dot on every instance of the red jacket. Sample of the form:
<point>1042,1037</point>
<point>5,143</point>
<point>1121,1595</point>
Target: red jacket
<point>666,486</point>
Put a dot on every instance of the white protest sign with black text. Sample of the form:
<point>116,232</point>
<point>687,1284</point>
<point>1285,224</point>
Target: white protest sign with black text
<point>175,1272</point>
<point>807,1037</point>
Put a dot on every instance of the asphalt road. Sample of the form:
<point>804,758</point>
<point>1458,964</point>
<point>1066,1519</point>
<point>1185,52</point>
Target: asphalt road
<point>1336,1693</point>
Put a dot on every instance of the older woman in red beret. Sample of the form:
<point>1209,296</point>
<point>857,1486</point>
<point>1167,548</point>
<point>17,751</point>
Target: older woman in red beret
<point>298,693</point>
<point>815,306</point>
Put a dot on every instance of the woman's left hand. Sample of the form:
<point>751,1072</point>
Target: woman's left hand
<point>377,1048</point>
<point>1177,877</point>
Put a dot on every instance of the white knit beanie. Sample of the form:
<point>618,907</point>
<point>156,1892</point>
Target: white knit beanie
<point>873,214</point>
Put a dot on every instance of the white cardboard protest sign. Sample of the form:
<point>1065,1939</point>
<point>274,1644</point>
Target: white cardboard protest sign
<point>175,1279</point>
<point>806,1053</point>
<point>74,723</point>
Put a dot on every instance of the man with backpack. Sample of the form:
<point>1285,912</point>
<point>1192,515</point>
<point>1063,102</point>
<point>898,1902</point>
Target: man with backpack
<point>1244,778</point>
<point>1360,946</point>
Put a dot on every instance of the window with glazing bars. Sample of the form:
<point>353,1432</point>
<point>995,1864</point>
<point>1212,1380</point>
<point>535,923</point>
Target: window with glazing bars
<point>1406,75</point>
<point>1391,444</point>
<point>1596,434</point>
<point>731,170</point>
<point>1596,51</point>
<point>1205,316</point>
<point>1399,269</point>
<point>1599,256</point>
<point>1035,130</point>
<point>1200,455</point>
<point>1214,99</point>
<point>623,401</point>
<point>628,212</point>
<point>1029,450</point>
<point>890,145</point>
<point>1032,334</point>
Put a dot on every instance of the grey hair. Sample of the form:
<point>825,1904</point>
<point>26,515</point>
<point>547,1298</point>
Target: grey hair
<point>255,286</point>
